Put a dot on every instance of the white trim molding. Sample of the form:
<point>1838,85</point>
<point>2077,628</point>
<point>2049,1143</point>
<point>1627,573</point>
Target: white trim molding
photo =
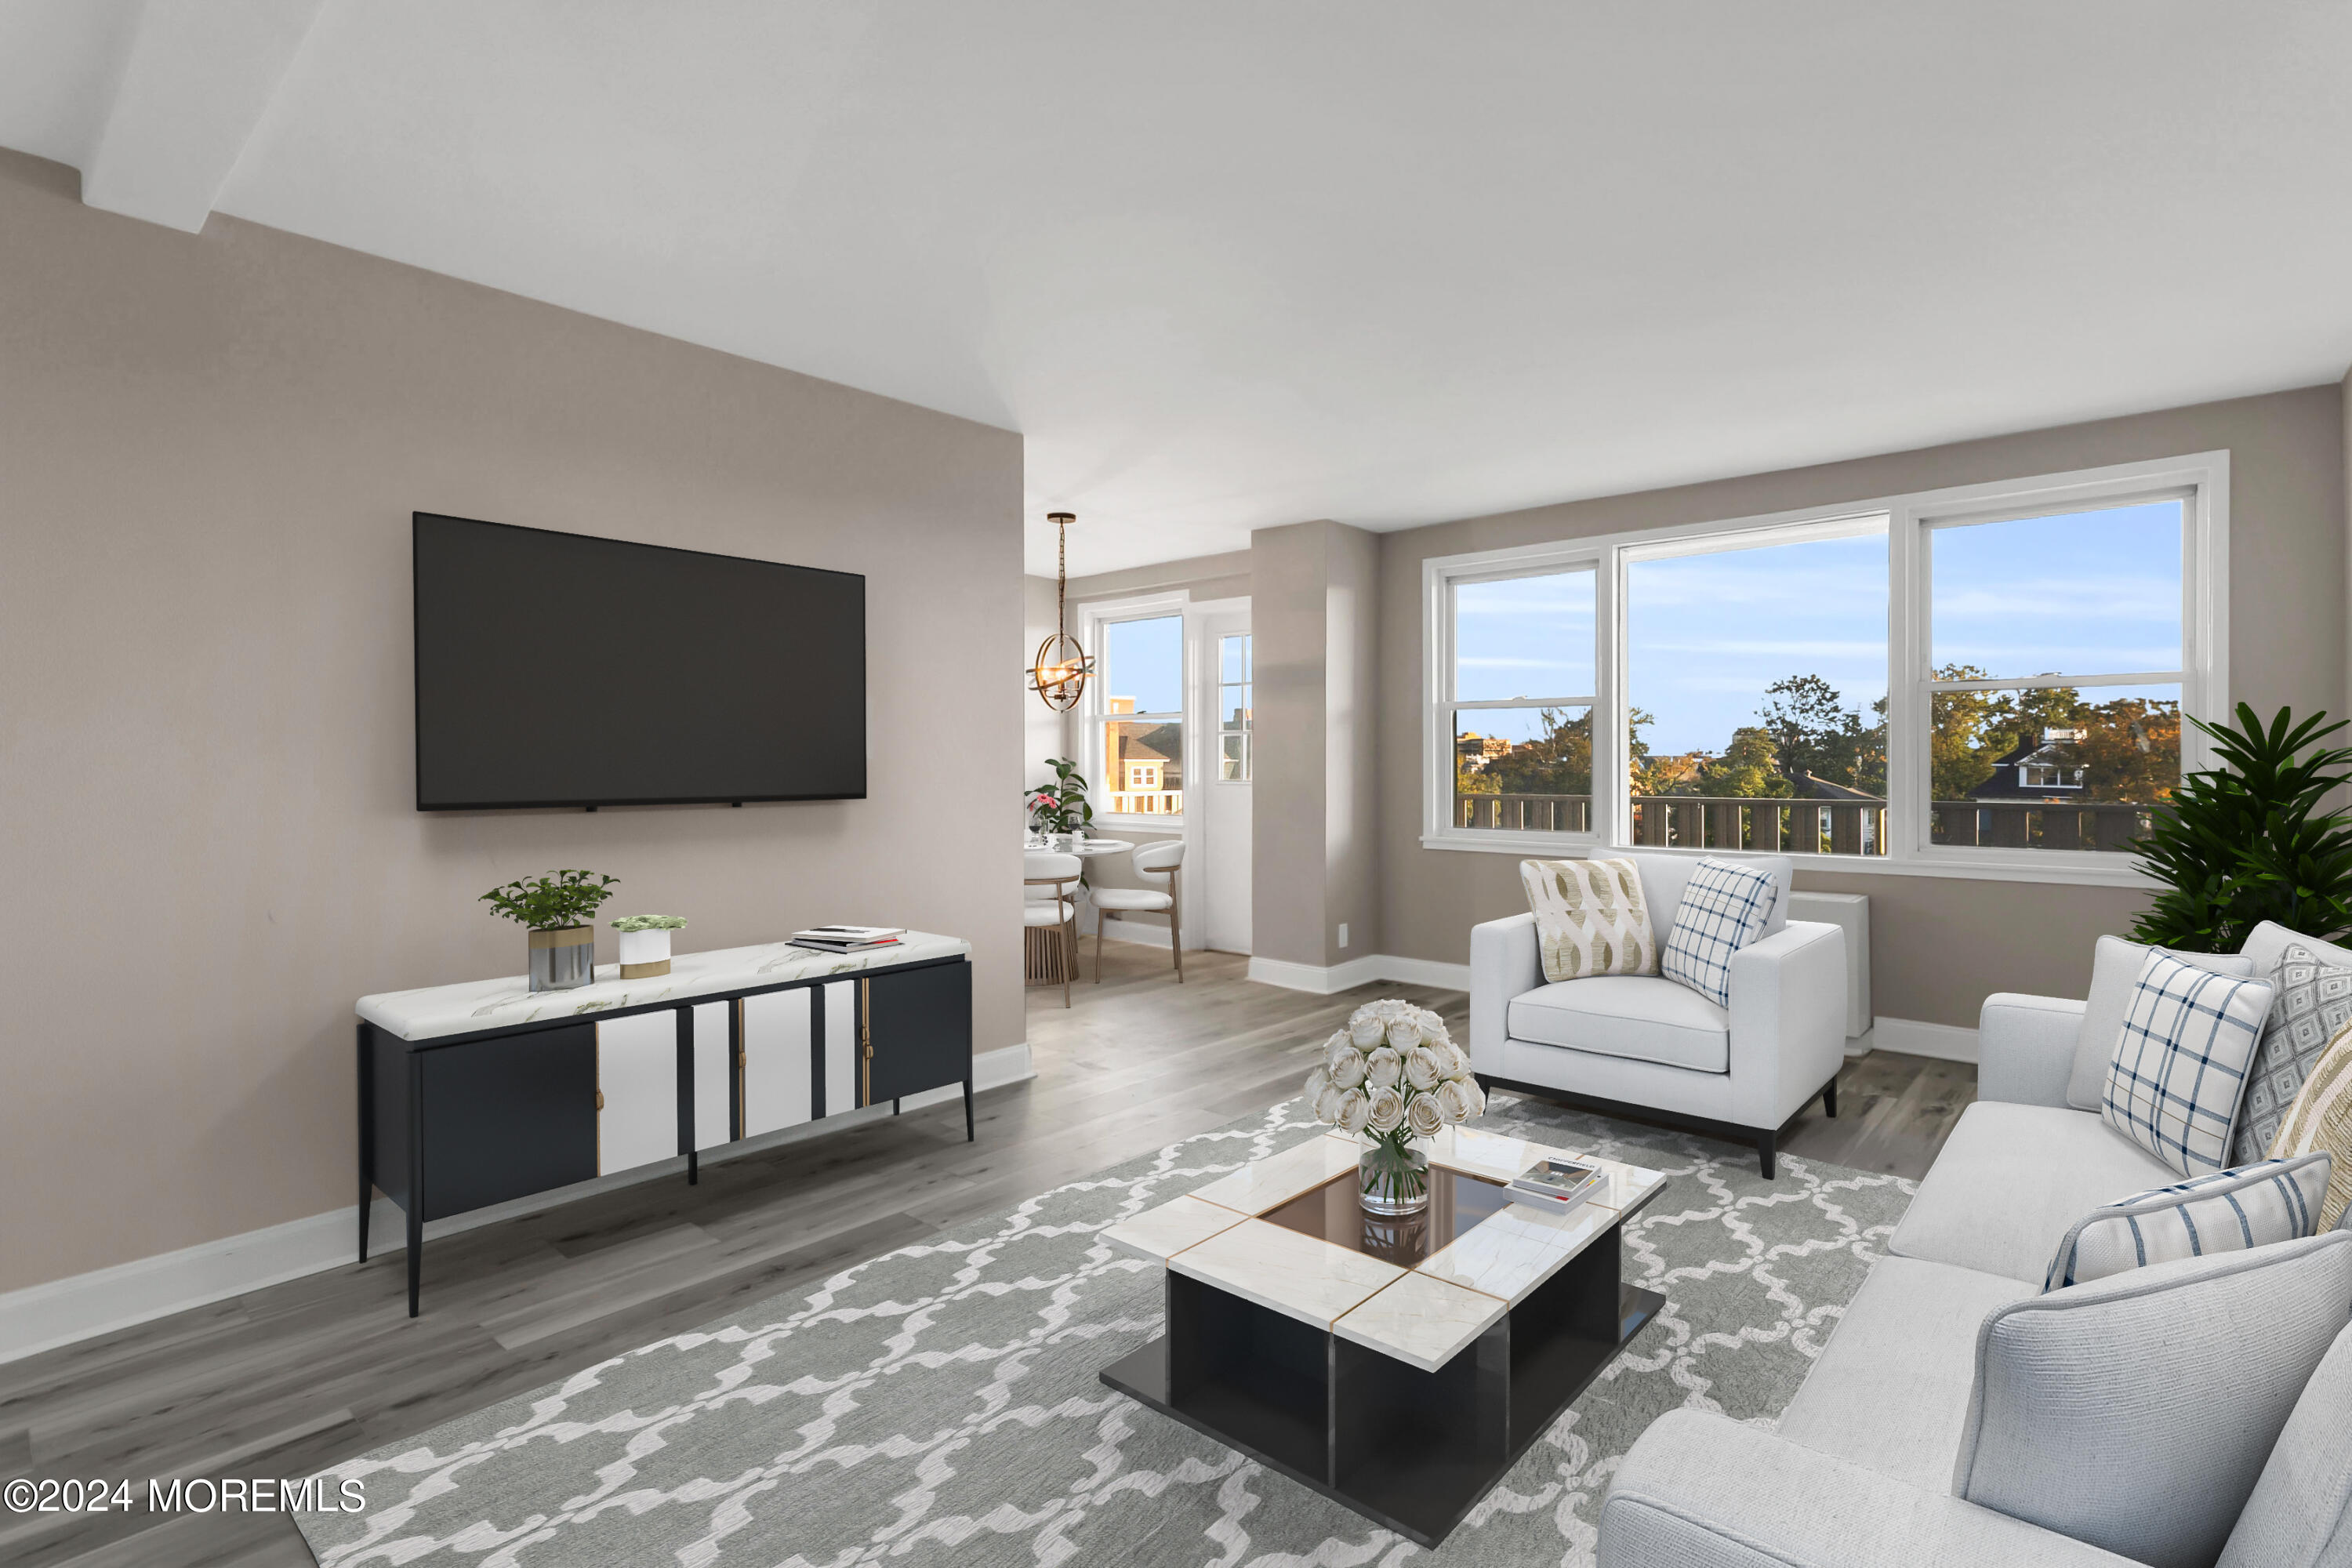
<point>83,1306</point>
<point>1910,1037</point>
<point>1372,966</point>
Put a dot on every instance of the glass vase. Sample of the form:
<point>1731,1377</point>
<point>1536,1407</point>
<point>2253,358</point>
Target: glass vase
<point>1394,1174</point>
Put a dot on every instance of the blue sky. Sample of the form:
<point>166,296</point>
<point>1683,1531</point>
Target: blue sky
<point>1145,660</point>
<point>2090,592</point>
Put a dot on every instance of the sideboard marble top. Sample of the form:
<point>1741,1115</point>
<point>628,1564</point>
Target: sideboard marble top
<point>439,1010</point>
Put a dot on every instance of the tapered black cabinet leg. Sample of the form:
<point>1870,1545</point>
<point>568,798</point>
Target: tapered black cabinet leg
<point>894,1108</point>
<point>1829,1097</point>
<point>1765,1141</point>
<point>415,1178</point>
<point>415,1255</point>
<point>367,1138</point>
<point>966,1111</point>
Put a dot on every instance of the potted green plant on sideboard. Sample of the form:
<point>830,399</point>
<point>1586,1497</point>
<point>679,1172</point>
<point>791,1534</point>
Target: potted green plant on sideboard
<point>2248,841</point>
<point>558,910</point>
<point>645,944</point>
<point>1061,808</point>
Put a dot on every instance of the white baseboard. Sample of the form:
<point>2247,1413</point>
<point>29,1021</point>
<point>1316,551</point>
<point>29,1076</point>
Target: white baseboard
<point>1424,971</point>
<point>1372,966</point>
<point>1946,1042</point>
<point>83,1306</point>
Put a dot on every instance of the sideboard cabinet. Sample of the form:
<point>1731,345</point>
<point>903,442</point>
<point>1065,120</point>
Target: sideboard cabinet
<point>474,1095</point>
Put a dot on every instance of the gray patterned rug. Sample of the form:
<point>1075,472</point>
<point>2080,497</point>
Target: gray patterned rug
<point>938,1405</point>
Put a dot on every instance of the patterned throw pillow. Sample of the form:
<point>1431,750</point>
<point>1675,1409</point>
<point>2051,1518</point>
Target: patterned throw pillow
<point>2312,1001</point>
<point>2180,1063</point>
<point>2321,1118</point>
<point>1591,918</point>
<point>1724,907</point>
<point>2231,1211</point>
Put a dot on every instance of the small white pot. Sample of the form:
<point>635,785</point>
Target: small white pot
<point>644,954</point>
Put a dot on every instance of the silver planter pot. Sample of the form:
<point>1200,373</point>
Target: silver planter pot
<point>563,960</point>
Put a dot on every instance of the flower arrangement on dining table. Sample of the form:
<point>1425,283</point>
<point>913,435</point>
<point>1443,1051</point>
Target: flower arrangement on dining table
<point>1392,1076</point>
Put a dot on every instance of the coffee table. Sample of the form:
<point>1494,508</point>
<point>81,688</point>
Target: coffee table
<point>1399,1367</point>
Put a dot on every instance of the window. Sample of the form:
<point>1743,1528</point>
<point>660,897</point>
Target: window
<point>1234,707</point>
<point>1992,680</point>
<point>1138,716</point>
<point>1519,703</point>
<point>2054,676</point>
<point>1756,680</point>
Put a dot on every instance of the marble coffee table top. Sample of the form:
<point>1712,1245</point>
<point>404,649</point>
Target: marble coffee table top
<point>1423,1315</point>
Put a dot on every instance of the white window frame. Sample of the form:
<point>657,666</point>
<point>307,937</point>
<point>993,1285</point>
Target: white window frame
<point>1215,728</point>
<point>1444,709</point>
<point>1094,619</point>
<point>2200,480</point>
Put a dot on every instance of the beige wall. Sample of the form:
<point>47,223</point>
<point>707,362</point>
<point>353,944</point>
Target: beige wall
<point>1938,944</point>
<point>1315,858</point>
<point>209,450</point>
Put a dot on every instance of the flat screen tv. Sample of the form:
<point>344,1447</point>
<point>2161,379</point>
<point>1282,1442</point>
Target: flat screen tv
<point>556,669</point>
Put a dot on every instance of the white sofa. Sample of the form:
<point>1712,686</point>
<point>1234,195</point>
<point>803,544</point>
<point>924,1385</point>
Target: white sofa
<point>2179,1414</point>
<point>1619,1041</point>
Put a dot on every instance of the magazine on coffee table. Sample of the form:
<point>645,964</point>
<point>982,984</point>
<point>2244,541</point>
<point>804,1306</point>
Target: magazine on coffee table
<point>1555,1184</point>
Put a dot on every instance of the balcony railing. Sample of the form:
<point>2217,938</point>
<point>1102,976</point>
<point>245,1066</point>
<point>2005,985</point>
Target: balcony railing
<point>1812,827</point>
<point>1146,803</point>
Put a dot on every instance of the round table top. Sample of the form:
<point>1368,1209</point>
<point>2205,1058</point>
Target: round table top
<point>1088,848</point>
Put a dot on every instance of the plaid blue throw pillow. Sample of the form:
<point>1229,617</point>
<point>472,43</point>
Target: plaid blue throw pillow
<point>2229,1211</point>
<point>2179,1064</point>
<point>1724,908</point>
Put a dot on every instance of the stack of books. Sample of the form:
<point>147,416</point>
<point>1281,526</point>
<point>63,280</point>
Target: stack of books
<point>848,939</point>
<point>1556,1186</point>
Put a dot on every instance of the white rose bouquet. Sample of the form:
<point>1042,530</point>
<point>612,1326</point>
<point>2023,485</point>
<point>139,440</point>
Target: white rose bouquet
<point>1392,1076</point>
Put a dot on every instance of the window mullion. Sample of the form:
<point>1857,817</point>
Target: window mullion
<point>1907,746</point>
<point>1610,817</point>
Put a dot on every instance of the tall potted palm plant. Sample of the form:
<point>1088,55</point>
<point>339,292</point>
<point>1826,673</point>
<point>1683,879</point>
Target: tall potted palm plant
<point>2253,840</point>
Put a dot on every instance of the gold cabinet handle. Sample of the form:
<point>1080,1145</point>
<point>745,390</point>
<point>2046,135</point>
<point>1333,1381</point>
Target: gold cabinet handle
<point>600,1099</point>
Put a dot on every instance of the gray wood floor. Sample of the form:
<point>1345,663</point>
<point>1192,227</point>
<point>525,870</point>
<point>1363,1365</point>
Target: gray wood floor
<point>289,1380</point>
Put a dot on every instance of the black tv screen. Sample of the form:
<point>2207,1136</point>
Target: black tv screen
<point>556,669</point>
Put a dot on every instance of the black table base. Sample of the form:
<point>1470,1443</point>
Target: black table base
<point>1410,1450</point>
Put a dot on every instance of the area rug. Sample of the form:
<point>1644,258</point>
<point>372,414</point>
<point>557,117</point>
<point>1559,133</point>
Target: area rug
<point>938,1405</point>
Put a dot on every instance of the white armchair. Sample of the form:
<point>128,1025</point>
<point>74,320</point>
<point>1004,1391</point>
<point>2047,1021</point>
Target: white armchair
<point>1645,1042</point>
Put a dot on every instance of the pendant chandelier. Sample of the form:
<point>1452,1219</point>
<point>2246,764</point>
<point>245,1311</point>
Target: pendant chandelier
<point>1058,674</point>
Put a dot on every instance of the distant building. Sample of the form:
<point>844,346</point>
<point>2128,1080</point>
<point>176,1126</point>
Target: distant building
<point>2047,767</point>
<point>1477,750</point>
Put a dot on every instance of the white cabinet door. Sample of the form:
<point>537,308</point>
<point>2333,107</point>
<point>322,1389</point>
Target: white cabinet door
<point>840,1047</point>
<point>775,1060</point>
<point>713,1118</point>
<point>636,1091</point>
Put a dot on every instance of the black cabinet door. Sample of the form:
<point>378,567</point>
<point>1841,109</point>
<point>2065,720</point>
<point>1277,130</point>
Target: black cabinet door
<point>919,1022</point>
<point>507,1117</point>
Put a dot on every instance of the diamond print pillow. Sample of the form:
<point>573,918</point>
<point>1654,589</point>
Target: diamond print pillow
<point>1591,918</point>
<point>1724,908</point>
<point>2312,1001</point>
<point>2179,1067</point>
<point>2231,1211</point>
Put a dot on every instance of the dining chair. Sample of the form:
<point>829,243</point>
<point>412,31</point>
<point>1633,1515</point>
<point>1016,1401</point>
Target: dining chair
<point>1049,919</point>
<point>1151,860</point>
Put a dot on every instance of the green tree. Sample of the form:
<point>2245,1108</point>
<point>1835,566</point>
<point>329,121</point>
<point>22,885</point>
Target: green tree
<point>1814,732</point>
<point>1748,769</point>
<point>1968,730</point>
<point>2130,750</point>
<point>1557,761</point>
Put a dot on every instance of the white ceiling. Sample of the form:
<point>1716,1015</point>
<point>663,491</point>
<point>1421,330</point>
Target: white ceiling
<point>1230,263</point>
